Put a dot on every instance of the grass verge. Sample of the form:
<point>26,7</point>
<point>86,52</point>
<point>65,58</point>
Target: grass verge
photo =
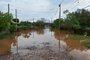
<point>79,37</point>
<point>86,44</point>
<point>6,36</point>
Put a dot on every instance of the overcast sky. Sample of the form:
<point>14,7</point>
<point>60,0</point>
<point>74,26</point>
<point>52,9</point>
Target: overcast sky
<point>29,9</point>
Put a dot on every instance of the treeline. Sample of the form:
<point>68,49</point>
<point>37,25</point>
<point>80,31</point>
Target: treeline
<point>8,24</point>
<point>28,25</point>
<point>78,21</point>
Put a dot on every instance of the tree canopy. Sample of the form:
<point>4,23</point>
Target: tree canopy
<point>5,21</point>
<point>75,20</point>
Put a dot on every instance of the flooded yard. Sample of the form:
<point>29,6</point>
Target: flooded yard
<point>43,44</point>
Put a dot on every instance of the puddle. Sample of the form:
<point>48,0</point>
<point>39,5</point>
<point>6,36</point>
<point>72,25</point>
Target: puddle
<point>29,41</point>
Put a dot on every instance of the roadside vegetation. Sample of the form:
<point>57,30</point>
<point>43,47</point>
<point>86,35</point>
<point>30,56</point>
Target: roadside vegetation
<point>78,21</point>
<point>39,24</point>
<point>6,25</point>
<point>6,36</point>
<point>79,37</point>
<point>87,44</point>
<point>5,22</point>
<point>24,25</point>
<point>10,25</point>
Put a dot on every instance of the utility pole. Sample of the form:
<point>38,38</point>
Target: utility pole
<point>16,18</point>
<point>16,30</point>
<point>59,14</point>
<point>50,25</point>
<point>59,28</point>
<point>33,20</point>
<point>15,13</point>
<point>78,1</point>
<point>51,20</point>
<point>8,8</point>
<point>33,28</point>
<point>59,11</point>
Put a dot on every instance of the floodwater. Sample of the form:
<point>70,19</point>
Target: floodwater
<point>57,40</point>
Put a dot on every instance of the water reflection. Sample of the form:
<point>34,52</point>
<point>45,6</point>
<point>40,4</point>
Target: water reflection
<point>39,39</point>
<point>72,44</point>
<point>40,31</point>
<point>77,50</point>
<point>58,40</point>
<point>24,33</point>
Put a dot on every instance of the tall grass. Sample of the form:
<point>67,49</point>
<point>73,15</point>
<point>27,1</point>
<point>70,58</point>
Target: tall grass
<point>6,35</point>
<point>79,37</point>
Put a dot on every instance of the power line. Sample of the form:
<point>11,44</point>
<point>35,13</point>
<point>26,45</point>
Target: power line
<point>58,10</point>
<point>74,6</point>
<point>75,1</point>
<point>86,6</point>
<point>81,1</point>
<point>62,1</point>
<point>54,14</point>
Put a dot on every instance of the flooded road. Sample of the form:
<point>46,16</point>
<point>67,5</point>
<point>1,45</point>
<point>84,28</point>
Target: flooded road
<point>40,42</point>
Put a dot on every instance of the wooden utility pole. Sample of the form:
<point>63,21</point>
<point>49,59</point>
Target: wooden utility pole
<point>33,28</point>
<point>16,13</point>
<point>33,22</point>
<point>8,8</point>
<point>16,30</point>
<point>59,30</point>
<point>59,14</point>
<point>78,1</point>
<point>16,18</point>
<point>50,25</point>
<point>59,11</point>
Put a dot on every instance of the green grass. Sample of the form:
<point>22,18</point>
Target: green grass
<point>23,27</point>
<point>79,37</point>
<point>86,44</point>
<point>6,36</point>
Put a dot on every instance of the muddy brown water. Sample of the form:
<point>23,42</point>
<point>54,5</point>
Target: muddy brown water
<point>32,39</point>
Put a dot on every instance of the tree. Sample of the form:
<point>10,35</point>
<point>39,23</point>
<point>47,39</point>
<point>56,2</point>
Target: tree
<point>57,23</point>
<point>72,20</point>
<point>5,21</point>
<point>79,19</point>
<point>25,23</point>
<point>40,23</point>
<point>66,11</point>
<point>84,17</point>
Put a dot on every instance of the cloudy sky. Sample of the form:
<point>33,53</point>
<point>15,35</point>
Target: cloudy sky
<point>29,9</point>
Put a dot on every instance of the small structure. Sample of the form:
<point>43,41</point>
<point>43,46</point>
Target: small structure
<point>15,21</point>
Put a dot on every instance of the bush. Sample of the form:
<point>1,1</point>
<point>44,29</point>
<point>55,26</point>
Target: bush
<point>6,35</point>
<point>79,37</point>
<point>86,44</point>
<point>12,28</point>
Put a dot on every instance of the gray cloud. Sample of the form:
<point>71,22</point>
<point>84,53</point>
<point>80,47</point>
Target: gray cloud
<point>6,0</point>
<point>28,9</point>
